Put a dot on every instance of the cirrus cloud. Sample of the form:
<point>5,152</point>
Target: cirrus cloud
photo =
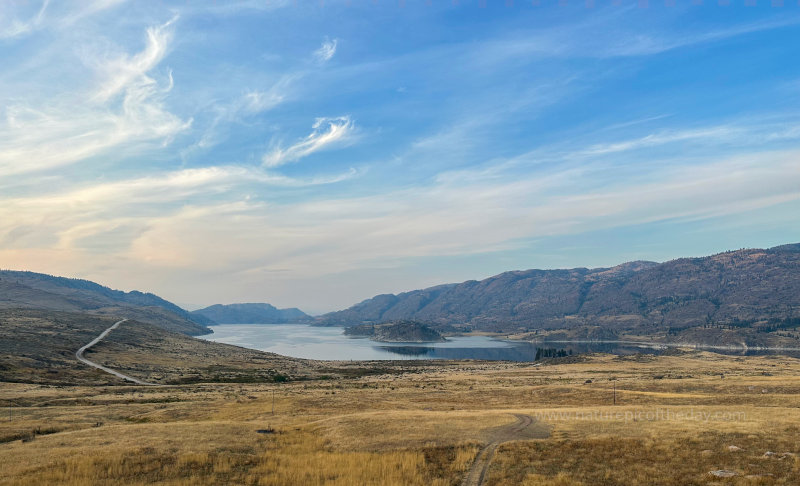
<point>327,133</point>
<point>326,51</point>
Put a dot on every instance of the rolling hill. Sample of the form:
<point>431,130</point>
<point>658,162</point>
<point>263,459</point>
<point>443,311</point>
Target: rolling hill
<point>752,291</point>
<point>29,290</point>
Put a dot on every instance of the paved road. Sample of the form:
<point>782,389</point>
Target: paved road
<point>524,428</point>
<point>81,358</point>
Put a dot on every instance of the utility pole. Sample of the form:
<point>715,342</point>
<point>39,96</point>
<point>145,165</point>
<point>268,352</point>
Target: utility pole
<point>615,392</point>
<point>273,401</point>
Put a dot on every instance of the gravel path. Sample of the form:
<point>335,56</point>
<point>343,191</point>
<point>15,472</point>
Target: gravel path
<point>81,358</point>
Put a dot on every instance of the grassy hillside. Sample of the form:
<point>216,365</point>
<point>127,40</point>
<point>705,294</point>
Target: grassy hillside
<point>28,290</point>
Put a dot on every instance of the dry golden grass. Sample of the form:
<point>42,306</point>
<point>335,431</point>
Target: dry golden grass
<point>659,460</point>
<point>220,453</point>
<point>421,427</point>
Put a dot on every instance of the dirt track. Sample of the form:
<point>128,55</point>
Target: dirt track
<point>524,428</point>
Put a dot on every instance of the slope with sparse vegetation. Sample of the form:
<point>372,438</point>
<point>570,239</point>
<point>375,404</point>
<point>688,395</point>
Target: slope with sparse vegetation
<point>29,290</point>
<point>746,296</point>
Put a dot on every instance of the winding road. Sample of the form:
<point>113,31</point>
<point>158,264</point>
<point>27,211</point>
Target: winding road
<point>82,359</point>
<point>524,428</point>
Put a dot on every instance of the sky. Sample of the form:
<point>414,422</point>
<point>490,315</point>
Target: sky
<point>317,153</point>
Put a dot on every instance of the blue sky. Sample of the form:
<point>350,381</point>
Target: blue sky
<point>314,154</point>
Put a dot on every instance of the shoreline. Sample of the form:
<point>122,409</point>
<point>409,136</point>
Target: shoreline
<point>650,344</point>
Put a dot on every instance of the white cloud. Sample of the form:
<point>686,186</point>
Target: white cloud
<point>258,101</point>
<point>326,51</point>
<point>13,27</point>
<point>740,134</point>
<point>251,103</point>
<point>128,194</point>
<point>126,112</point>
<point>61,15</point>
<point>327,133</point>
<point>316,238</point>
<point>126,71</point>
<point>87,8</point>
<point>664,137</point>
<point>68,220</point>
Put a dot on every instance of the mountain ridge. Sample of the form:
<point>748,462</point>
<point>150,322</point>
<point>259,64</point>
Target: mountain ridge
<point>759,287</point>
<point>251,313</point>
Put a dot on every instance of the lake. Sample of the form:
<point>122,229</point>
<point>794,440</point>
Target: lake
<point>330,343</point>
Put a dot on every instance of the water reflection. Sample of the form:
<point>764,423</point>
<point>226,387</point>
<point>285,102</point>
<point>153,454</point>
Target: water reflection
<point>416,351</point>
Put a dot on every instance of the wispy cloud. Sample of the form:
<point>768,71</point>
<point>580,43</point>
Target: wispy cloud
<point>643,45</point>
<point>738,134</point>
<point>66,130</point>
<point>593,38</point>
<point>252,103</point>
<point>451,218</point>
<point>258,101</point>
<point>157,189</point>
<point>327,133</point>
<point>13,27</point>
<point>326,51</point>
<point>664,137</point>
<point>126,71</point>
<point>61,15</point>
<point>75,215</point>
<point>86,9</point>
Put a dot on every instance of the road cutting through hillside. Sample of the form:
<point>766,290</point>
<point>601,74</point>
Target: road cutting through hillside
<point>82,359</point>
<point>524,428</point>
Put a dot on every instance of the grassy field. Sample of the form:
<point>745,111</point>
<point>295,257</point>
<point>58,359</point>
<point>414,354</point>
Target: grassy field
<point>677,418</point>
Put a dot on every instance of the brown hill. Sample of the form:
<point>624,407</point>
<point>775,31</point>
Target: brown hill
<point>28,290</point>
<point>750,289</point>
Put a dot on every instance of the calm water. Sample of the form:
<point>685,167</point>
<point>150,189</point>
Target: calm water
<point>330,343</point>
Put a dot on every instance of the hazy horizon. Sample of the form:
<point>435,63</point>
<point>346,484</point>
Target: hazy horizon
<point>315,155</point>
